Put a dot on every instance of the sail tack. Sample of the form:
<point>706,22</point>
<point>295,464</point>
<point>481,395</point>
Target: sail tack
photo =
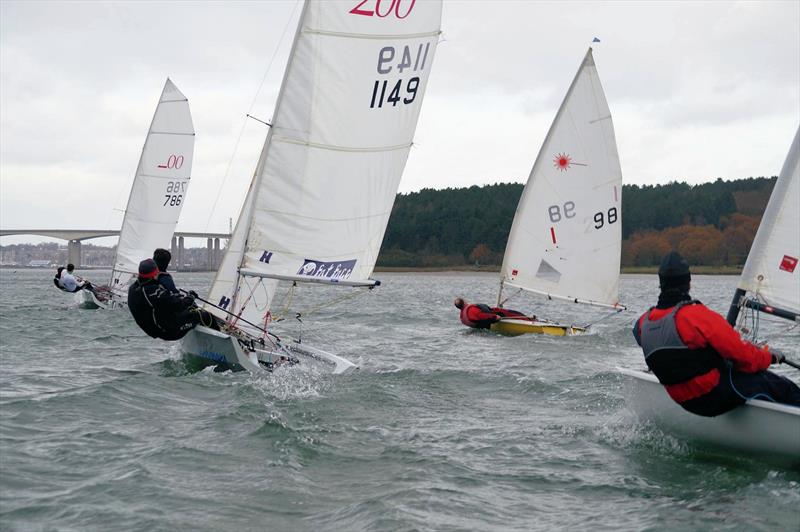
<point>331,165</point>
<point>159,187</point>
<point>565,240</point>
<point>772,272</point>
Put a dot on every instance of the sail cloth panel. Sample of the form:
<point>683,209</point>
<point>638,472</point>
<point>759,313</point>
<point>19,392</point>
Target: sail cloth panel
<point>341,134</point>
<point>159,187</point>
<point>772,270</point>
<point>566,236</point>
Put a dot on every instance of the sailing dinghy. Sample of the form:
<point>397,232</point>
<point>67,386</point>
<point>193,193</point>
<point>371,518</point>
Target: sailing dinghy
<point>317,207</point>
<point>157,195</point>
<point>769,284</point>
<point>566,238</point>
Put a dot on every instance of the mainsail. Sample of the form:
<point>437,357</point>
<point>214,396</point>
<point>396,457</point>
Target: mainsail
<point>771,274</point>
<point>324,186</point>
<point>565,240</point>
<point>159,187</point>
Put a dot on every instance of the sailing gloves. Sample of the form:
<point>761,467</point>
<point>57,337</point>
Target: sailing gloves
<point>777,357</point>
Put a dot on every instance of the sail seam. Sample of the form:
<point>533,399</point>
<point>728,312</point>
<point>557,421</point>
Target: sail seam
<point>596,120</point>
<point>342,148</point>
<point>171,133</point>
<point>296,215</point>
<point>372,36</point>
<point>151,222</point>
<point>174,101</point>
<point>171,178</point>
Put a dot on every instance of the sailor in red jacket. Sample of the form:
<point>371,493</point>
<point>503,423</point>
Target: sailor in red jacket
<point>480,316</point>
<point>703,363</point>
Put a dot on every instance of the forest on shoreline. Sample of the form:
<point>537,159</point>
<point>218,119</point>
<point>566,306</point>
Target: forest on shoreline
<point>712,224</point>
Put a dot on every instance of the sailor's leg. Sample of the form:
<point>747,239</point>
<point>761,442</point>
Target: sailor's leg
<point>766,385</point>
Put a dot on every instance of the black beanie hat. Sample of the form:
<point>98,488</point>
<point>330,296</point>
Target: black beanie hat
<point>674,271</point>
<point>148,269</point>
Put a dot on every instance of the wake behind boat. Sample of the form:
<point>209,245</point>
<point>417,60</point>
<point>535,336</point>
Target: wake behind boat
<point>566,238</point>
<point>319,202</point>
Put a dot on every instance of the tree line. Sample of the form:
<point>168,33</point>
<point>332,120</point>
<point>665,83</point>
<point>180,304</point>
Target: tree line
<point>711,223</point>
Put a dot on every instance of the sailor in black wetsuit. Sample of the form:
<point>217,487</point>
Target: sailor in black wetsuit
<point>162,313</point>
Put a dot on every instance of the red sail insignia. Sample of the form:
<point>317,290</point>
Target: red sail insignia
<point>788,264</point>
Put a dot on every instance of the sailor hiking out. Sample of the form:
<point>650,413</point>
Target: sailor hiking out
<point>703,363</point>
<point>160,312</point>
<point>480,316</point>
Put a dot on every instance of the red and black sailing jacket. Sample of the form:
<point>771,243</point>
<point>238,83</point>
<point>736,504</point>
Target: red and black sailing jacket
<point>478,316</point>
<point>685,345</point>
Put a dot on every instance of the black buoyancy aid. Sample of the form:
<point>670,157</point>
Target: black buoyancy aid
<point>666,354</point>
<point>142,310</point>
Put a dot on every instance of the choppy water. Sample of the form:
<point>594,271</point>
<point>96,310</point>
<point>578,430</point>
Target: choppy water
<point>442,428</point>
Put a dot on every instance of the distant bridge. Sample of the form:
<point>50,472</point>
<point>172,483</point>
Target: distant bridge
<point>75,236</point>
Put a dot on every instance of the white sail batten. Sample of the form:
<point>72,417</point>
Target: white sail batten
<point>772,272</point>
<point>159,188</point>
<point>332,162</point>
<point>565,240</point>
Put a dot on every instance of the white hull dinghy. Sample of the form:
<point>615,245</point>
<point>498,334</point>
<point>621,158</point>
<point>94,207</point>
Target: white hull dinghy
<point>757,426</point>
<point>769,284</point>
<point>88,300</point>
<point>566,238</point>
<point>320,199</point>
<point>242,353</point>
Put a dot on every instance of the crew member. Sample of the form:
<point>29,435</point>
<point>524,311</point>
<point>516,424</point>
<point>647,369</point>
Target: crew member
<point>57,278</point>
<point>71,282</point>
<point>162,313</point>
<point>480,316</point>
<point>703,363</point>
<point>162,257</point>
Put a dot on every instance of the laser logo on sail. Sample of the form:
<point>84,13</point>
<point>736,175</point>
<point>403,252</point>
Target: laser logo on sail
<point>788,264</point>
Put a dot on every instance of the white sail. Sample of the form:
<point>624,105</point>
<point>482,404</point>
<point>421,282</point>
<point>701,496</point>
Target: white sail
<point>772,271</point>
<point>159,188</point>
<point>341,133</point>
<point>565,241</point>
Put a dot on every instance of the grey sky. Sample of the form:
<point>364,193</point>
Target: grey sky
<point>697,91</point>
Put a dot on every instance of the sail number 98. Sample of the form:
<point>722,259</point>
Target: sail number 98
<point>555,211</point>
<point>600,218</point>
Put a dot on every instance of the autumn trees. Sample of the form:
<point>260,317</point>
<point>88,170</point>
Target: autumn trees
<point>711,223</point>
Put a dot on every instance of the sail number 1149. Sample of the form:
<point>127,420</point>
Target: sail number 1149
<point>402,59</point>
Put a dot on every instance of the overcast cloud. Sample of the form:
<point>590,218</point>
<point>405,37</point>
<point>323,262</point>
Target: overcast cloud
<point>698,90</point>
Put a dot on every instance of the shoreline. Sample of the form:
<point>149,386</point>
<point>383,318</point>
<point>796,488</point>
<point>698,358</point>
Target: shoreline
<point>696,270</point>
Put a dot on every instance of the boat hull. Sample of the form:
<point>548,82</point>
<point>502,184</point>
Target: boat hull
<point>89,300</point>
<point>756,427</point>
<point>515,327</point>
<point>217,348</point>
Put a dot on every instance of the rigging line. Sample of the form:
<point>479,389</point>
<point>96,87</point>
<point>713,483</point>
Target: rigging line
<point>602,319</point>
<point>515,294</point>
<point>249,110</point>
<point>333,302</point>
